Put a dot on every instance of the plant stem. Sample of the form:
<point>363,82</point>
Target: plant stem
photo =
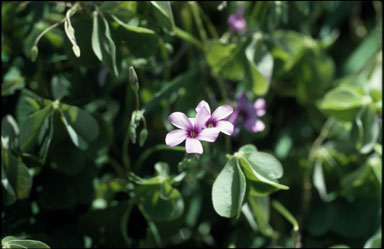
<point>149,151</point>
<point>307,184</point>
<point>47,30</point>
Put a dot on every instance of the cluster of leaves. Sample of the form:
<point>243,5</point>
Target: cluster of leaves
<point>74,176</point>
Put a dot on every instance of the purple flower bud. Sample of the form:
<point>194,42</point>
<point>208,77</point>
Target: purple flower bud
<point>237,22</point>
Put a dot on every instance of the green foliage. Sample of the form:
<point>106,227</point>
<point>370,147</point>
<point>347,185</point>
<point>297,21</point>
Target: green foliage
<point>87,91</point>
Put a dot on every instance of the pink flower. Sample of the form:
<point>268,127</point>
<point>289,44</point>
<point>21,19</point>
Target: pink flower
<point>191,130</point>
<point>247,114</point>
<point>237,22</point>
<point>216,119</point>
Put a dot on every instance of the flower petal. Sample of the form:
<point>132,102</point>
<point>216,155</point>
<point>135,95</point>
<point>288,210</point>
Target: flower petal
<point>209,134</point>
<point>225,127</point>
<point>201,104</point>
<point>234,116</point>
<point>201,118</point>
<point>260,112</point>
<point>254,125</point>
<point>180,120</point>
<point>259,103</point>
<point>242,101</point>
<point>175,137</point>
<point>193,145</point>
<point>222,112</point>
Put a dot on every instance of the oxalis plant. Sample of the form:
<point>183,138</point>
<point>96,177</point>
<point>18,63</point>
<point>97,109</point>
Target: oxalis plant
<point>191,124</point>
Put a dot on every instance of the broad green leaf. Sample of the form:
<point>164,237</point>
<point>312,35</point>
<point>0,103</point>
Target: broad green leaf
<point>19,243</point>
<point>180,81</point>
<point>46,140</point>
<point>265,164</point>
<point>59,86</point>
<point>17,175</point>
<point>225,59</point>
<point>32,127</point>
<point>339,246</point>
<point>228,190</point>
<point>342,103</point>
<point>249,148</point>
<point>366,129</point>
<point>319,181</point>
<point>9,133</point>
<point>68,160</point>
<point>262,170</point>
<point>163,14</point>
<point>374,241</point>
<point>81,126</point>
<point>260,64</point>
<point>9,197</point>
<point>12,81</point>
<point>141,42</point>
<point>160,202</point>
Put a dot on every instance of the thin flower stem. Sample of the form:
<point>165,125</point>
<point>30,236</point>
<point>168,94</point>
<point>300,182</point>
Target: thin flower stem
<point>307,184</point>
<point>125,152</point>
<point>47,30</point>
<point>158,147</point>
<point>198,21</point>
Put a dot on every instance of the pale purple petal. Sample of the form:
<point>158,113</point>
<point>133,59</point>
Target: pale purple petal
<point>209,134</point>
<point>175,137</point>
<point>222,112</point>
<point>242,101</point>
<point>225,127</point>
<point>180,120</point>
<point>249,123</point>
<point>259,104</point>
<point>192,120</point>
<point>201,104</point>
<point>260,112</point>
<point>193,145</point>
<point>259,126</point>
<point>254,125</point>
<point>201,118</point>
<point>233,117</point>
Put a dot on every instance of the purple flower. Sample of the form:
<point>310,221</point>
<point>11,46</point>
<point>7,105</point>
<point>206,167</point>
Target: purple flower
<point>237,22</point>
<point>247,114</point>
<point>191,130</point>
<point>215,120</point>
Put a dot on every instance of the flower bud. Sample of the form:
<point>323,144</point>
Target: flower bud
<point>34,53</point>
<point>143,137</point>
<point>133,79</point>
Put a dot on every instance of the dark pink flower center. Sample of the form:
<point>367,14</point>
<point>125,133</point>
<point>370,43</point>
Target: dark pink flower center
<point>210,123</point>
<point>192,134</point>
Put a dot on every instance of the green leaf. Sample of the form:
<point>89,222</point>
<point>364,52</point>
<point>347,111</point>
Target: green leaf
<point>260,64</point>
<point>342,103</point>
<point>366,129</point>
<point>32,127</point>
<point>10,196</point>
<point>110,47</point>
<point>81,126</point>
<point>160,202</point>
<point>225,59</point>
<point>25,244</point>
<point>59,86</point>
<point>96,37</point>
<point>249,148</point>
<point>9,132</point>
<point>141,42</point>
<point>163,14</point>
<point>16,175</point>
<point>182,80</point>
<point>262,170</point>
<point>228,190</point>
<point>68,160</point>
<point>265,164</point>
<point>374,241</point>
